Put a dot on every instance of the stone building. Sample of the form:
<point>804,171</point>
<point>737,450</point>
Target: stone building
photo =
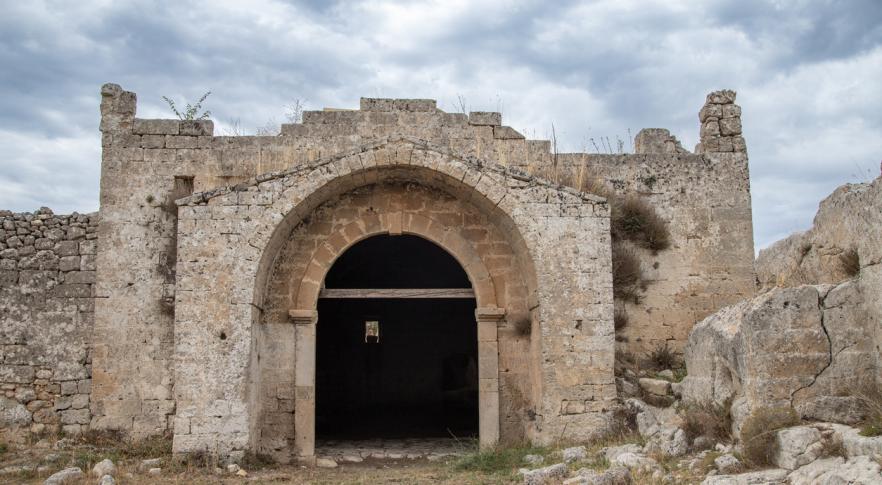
<point>391,269</point>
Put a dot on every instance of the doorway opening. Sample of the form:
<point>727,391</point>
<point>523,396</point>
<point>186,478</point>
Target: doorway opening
<point>396,344</point>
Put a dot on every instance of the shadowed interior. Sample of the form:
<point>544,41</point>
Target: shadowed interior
<point>420,377</point>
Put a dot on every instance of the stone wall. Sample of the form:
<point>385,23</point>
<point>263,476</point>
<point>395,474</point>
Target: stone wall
<point>231,237</point>
<point>47,276</point>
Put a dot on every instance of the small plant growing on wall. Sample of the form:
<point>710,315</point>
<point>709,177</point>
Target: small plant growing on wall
<point>192,111</point>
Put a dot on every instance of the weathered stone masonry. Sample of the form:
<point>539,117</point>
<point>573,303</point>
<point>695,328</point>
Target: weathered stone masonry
<point>212,250</point>
<point>47,275</point>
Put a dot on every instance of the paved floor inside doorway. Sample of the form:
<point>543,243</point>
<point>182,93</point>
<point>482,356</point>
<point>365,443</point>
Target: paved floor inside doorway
<point>352,451</point>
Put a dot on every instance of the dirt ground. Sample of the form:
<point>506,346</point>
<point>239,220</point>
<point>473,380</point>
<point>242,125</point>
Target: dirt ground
<point>33,464</point>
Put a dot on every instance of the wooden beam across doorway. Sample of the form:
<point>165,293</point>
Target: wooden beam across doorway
<point>397,293</point>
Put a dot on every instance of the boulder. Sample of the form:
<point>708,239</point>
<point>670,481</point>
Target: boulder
<point>107,480</point>
<point>325,463</point>
<point>809,347</point>
<point>548,474</point>
<point>661,428</point>
<point>659,387</point>
<point>860,470</point>
<point>104,467</point>
<point>66,476</point>
<point>574,453</point>
<point>774,476</point>
<point>855,444</point>
<point>727,463</point>
<point>797,446</point>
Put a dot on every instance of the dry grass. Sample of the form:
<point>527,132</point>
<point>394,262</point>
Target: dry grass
<point>627,275</point>
<point>711,420</point>
<point>633,219</point>
<point>662,357</point>
<point>872,423</point>
<point>620,318</point>
<point>758,433</point>
<point>851,262</point>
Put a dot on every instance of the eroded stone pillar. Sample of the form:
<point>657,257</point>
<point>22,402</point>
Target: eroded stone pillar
<point>488,374</point>
<point>304,380</point>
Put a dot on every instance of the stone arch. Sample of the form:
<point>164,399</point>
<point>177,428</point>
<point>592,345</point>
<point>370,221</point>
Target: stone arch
<point>415,224</point>
<point>305,315</point>
<point>404,158</point>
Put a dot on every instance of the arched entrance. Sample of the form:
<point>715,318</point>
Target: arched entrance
<point>312,290</point>
<point>396,344</point>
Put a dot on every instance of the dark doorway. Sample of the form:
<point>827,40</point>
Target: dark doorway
<point>418,377</point>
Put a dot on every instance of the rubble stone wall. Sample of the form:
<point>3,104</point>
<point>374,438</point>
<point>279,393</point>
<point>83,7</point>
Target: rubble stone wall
<point>47,276</point>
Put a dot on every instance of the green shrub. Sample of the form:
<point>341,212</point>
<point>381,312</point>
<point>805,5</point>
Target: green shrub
<point>758,433</point>
<point>499,460</point>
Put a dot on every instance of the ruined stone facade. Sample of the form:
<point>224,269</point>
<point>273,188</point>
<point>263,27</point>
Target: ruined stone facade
<point>212,253</point>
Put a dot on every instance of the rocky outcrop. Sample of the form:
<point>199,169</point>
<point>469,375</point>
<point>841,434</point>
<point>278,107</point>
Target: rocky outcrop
<point>850,219</point>
<point>808,347</point>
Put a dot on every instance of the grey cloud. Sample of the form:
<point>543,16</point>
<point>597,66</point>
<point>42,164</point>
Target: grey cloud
<point>593,69</point>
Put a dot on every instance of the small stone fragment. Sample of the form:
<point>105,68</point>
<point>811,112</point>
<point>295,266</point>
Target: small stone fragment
<point>541,476</point>
<point>149,463</point>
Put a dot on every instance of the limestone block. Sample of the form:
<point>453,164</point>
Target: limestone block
<point>768,350</point>
<point>797,446</point>
<point>485,118</point>
<point>730,126</point>
<point>659,387</point>
<point>155,127</point>
<point>773,476</point>
<point>196,128</point>
<point>13,414</point>
<point>506,133</point>
<point>829,471</point>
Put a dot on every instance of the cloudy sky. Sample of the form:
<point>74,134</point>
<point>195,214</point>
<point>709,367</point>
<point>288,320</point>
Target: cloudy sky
<point>808,76</point>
